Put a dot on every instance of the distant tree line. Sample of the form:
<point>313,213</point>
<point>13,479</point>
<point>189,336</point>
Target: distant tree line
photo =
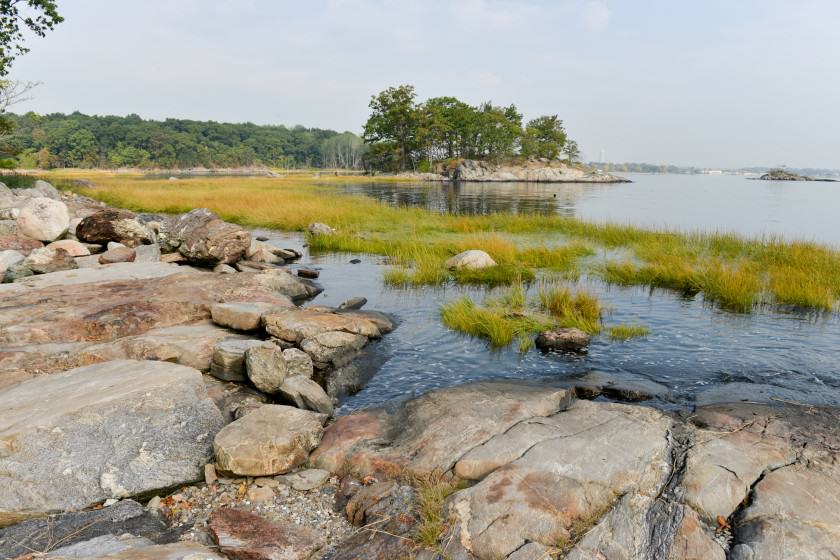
<point>644,168</point>
<point>403,134</point>
<point>77,140</point>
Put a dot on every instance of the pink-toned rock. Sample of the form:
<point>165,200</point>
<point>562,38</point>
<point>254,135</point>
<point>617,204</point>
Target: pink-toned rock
<point>118,255</point>
<point>242,535</point>
<point>20,244</point>
<point>72,246</point>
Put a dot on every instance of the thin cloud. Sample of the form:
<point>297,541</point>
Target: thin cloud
<point>595,15</point>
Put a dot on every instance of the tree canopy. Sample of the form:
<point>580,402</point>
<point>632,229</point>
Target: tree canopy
<point>77,140</point>
<point>403,134</point>
<point>37,16</point>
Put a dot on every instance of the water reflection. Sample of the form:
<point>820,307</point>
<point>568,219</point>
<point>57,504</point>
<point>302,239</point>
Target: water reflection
<point>795,210</point>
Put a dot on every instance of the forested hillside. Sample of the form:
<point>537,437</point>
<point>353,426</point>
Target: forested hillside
<point>77,140</point>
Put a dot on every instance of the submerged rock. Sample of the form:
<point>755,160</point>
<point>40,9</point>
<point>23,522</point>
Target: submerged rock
<point>563,340</point>
<point>112,430</point>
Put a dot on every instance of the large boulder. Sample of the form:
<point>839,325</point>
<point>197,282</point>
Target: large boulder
<point>273,439</point>
<point>333,349</point>
<point>203,238</point>
<point>114,225</point>
<point>470,260</point>
<point>46,189</point>
<point>112,430</point>
<point>43,219</point>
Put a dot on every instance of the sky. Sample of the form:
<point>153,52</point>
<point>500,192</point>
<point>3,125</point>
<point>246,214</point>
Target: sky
<point>712,84</point>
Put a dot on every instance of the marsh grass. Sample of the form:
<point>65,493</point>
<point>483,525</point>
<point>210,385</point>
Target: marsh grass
<point>509,317</point>
<point>627,332</point>
<point>579,310</point>
<point>493,323</point>
<point>733,272</point>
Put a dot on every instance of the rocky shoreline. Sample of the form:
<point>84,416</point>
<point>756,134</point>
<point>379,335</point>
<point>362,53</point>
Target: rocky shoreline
<point>530,171</point>
<point>168,392</point>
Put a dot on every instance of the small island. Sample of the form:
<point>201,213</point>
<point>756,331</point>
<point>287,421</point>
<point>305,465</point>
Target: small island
<point>782,175</point>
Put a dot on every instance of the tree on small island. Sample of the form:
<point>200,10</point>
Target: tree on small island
<point>405,135</point>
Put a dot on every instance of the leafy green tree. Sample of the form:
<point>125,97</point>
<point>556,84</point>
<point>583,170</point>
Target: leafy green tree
<point>544,137</point>
<point>393,125</point>
<point>571,151</point>
<point>38,16</point>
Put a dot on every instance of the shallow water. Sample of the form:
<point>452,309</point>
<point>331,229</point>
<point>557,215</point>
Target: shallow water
<point>691,347</point>
<point>727,203</point>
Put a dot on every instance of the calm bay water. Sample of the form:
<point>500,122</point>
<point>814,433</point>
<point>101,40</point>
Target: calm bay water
<point>726,203</point>
<point>692,346</point>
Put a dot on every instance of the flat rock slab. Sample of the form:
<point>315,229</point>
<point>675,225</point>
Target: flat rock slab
<point>188,345</point>
<point>126,516</point>
<point>105,311</point>
<point>592,455</point>
<point>431,433</point>
<point>111,430</point>
<point>242,535</point>
<point>174,551</point>
<point>112,273</point>
<point>299,324</point>
<point>240,316</point>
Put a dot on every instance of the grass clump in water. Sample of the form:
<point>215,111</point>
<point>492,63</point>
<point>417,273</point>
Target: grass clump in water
<point>494,324</point>
<point>509,317</point>
<point>579,310</point>
<point>627,332</point>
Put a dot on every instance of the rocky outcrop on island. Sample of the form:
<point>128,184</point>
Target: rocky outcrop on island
<point>532,170</point>
<point>783,175</point>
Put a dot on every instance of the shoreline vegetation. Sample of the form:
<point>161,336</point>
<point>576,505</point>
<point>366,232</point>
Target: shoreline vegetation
<point>731,272</point>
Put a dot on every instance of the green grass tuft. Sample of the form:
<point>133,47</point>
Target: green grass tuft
<point>627,332</point>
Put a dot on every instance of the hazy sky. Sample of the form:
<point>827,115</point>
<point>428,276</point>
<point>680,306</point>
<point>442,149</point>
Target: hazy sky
<point>711,83</point>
